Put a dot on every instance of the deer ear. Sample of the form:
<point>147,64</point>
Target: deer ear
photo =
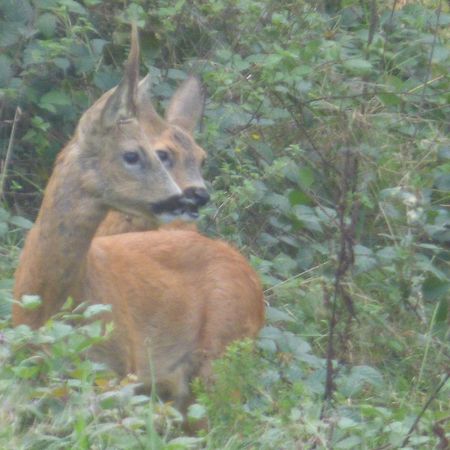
<point>123,102</point>
<point>144,88</point>
<point>186,106</point>
<point>146,111</point>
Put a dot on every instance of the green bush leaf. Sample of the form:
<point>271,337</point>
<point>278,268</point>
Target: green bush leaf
<point>53,99</point>
<point>3,229</point>
<point>441,316</point>
<point>350,442</point>
<point>31,301</point>
<point>434,288</point>
<point>277,315</point>
<point>6,71</point>
<point>305,177</point>
<point>46,24</point>
<point>358,67</point>
<point>21,222</point>
<point>196,412</point>
<point>93,310</point>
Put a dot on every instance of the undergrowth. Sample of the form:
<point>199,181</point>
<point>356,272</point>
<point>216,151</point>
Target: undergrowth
<point>329,162</point>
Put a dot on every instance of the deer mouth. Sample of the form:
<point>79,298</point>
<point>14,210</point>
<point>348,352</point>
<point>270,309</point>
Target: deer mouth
<point>176,208</point>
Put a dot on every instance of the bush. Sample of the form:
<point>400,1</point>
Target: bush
<point>328,159</point>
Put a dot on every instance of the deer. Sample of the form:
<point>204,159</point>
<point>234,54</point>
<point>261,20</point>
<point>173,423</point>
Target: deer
<point>173,135</point>
<point>177,298</point>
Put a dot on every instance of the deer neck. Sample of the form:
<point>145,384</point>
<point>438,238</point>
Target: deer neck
<point>53,259</point>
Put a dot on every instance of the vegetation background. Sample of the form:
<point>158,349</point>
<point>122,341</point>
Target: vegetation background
<point>327,127</point>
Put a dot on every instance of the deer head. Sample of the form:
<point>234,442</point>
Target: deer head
<point>121,166</point>
<point>172,139</point>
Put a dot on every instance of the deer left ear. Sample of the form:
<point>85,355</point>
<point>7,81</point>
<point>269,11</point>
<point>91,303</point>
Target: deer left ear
<point>186,106</point>
<point>146,111</point>
<point>123,102</point>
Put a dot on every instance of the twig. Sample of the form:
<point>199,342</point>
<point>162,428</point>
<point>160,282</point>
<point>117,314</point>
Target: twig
<point>393,10</point>
<point>373,21</point>
<point>297,103</point>
<point>430,58</point>
<point>281,283</point>
<point>425,407</point>
<point>345,261</point>
<point>17,115</point>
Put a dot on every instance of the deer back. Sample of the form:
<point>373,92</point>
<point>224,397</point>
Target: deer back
<point>187,298</point>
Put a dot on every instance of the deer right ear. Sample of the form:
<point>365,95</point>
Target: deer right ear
<point>186,106</point>
<point>122,104</point>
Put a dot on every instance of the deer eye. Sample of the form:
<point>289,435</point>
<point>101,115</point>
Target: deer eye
<point>131,158</point>
<point>165,157</point>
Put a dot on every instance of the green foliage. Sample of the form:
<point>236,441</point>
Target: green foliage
<point>325,123</point>
<point>53,397</point>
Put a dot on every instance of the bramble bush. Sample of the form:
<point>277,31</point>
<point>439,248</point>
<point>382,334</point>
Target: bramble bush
<point>326,125</point>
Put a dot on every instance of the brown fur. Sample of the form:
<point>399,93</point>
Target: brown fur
<point>178,298</point>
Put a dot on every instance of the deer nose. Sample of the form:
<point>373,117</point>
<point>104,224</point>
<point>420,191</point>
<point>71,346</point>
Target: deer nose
<point>197,196</point>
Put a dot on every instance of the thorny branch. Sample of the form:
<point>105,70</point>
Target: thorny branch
<point>425,407</point>
<point>9,151</point>
<point>347,208</point>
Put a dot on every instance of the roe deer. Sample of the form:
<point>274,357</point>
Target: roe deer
<point>178,298</point>
<point>172,136</point>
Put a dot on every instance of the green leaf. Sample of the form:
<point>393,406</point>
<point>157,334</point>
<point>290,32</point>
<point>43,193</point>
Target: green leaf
<point>6,71</point>
<point>440,54</point>
<point>358,67</point>
<point>364,259</point>
<point>134,13</point>
<point>434,288</point>
<point>267,345</point>
<point>277,201</point>
<point>346,423</point>
<point>62,63</point>
<point>305,177</point>
<point>93,310</point>
<point>54,98</point>
<point>3,228</point>
<point>441,316</point>
<point>21,222</point>
<point>284,264</point>
<point>196,412</point>
<point>184,442</point>
<point>31,301</point>
<point>98,45</point>
<point>4,214</point>
<point>390,99</point>
<point>307,217</point>
<point>110,400</point>
<point>175,74</point>
<point>25,372</point>
<point>139,400</point>
<point>442,182</point>
<point>350,442</point>
<point>296,345</point>
<point>277,315</point>
<point>9,34</point>
<point>18,11</point>
<point>73,7</point>
<point>106,79</point>
<point>46,24</point>
<point>133,423</point>
<point>59,330</point>
<point>359,376</point>
<point>270,332</point>
<point>6,283</point>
